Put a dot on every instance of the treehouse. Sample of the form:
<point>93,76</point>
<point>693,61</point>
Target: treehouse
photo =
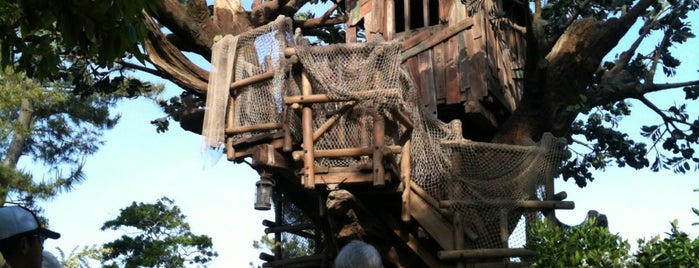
<point>383,140</point>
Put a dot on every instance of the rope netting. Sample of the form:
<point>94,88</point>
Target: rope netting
<point>364,81</point>
<point>255,52</point>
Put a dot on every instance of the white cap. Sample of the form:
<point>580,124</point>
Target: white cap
<point>17,220</point>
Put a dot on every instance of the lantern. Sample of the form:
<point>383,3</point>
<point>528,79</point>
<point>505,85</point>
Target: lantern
<point>263,195</point>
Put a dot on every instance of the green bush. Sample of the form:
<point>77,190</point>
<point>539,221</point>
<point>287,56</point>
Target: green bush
<point>585,245</point>
<point>677,250</point>
<point>588,245</point>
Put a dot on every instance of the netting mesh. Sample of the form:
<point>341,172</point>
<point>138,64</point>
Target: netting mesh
<point>261,51</point>
<point>366,74</point>
<point>366,81</point>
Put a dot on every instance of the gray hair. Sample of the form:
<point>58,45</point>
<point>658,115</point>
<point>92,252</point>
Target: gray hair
<point>358,254</point>
<point>49,261</point>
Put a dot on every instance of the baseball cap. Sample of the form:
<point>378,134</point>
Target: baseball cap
<point>16,220</point>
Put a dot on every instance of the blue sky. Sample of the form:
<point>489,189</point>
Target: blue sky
<point>138,164</point>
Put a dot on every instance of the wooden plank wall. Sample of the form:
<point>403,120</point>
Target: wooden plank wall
<point>463,67</point>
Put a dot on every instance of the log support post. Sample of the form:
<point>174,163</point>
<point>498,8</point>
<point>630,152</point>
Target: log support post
<point>379,143</point>
<point>307,126</point>
<point>459,242</point>
<point>405,177</point>
<point>230,113</point>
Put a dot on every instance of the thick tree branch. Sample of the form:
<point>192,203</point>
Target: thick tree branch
<point>626,56</point>
<point>628,19</point>
<point>19,136</point>
<point>669,121</point>
<point>144,69</point>
<point>328,12</point>
<point>230,17</point>
<point>172,63</point>
<point>656,57</point>
<point>634,89</point>
<point>192,24</point>
<point>576,13</point>
<point>319,22</point>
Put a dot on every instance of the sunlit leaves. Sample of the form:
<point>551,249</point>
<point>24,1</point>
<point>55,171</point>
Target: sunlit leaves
<point>157,236</point>
<point>585,245</point>
<point>676,250</point>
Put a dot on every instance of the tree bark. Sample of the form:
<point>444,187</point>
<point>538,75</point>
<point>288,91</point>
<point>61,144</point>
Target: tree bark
<point>556,81</point>
<point>19,138</point>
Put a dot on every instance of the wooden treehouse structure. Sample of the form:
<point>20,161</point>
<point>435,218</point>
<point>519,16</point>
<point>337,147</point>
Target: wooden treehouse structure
<point>382,140</point>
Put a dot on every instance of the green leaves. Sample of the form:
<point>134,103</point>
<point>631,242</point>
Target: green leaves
<point>676,250</point>
<point>586,245</point>
<point>158,235</point>
<point>38,34</point>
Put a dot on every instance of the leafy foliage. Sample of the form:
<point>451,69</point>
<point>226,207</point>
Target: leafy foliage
<point>57,124</point>
<point>586,245</point>
<point>81,257</point>
<point>671,142</point>
<point>676,250</point>
<point>37,35</point>
<point>158,235</point>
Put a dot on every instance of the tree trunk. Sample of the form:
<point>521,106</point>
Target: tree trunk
<point>19,138</point>
<point>24,121</point>
<point>555,82</point>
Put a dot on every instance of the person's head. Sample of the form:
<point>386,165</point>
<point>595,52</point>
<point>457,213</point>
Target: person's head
<point>358,254</point>
<point>49,261</point>
<point>22,237</point>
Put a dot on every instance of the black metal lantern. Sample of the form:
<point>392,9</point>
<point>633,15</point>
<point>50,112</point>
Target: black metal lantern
<point>263,195</point>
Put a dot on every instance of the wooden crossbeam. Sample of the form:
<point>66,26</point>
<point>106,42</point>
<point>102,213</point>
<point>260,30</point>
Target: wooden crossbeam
<point>529,204</point>
<point>485,253</point>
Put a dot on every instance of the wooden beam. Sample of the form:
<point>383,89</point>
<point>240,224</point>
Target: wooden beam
<point>307,129</point>
<point>406,15</point>
<point>378,148</point>
<point>405,178</point>
<point>252,80</point>
<point>276,143</point>
<point>307,261</point>
<point>425,13</point>
<point>288,228</point>
<point>307,99</point>
<point>344,178</point>
<point>265,155</point>
<point>358,95</point>
<point>390,19</point>
<point>347,152</point>
<point>410,240</point>
<point>403,118</point>
<point>331,121</point>
<point>230,115</point>
<point>437,38</point>
<point>260,127</point>
<point>527,204</point>
<point>486,253</point>
<point>432,221</point>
